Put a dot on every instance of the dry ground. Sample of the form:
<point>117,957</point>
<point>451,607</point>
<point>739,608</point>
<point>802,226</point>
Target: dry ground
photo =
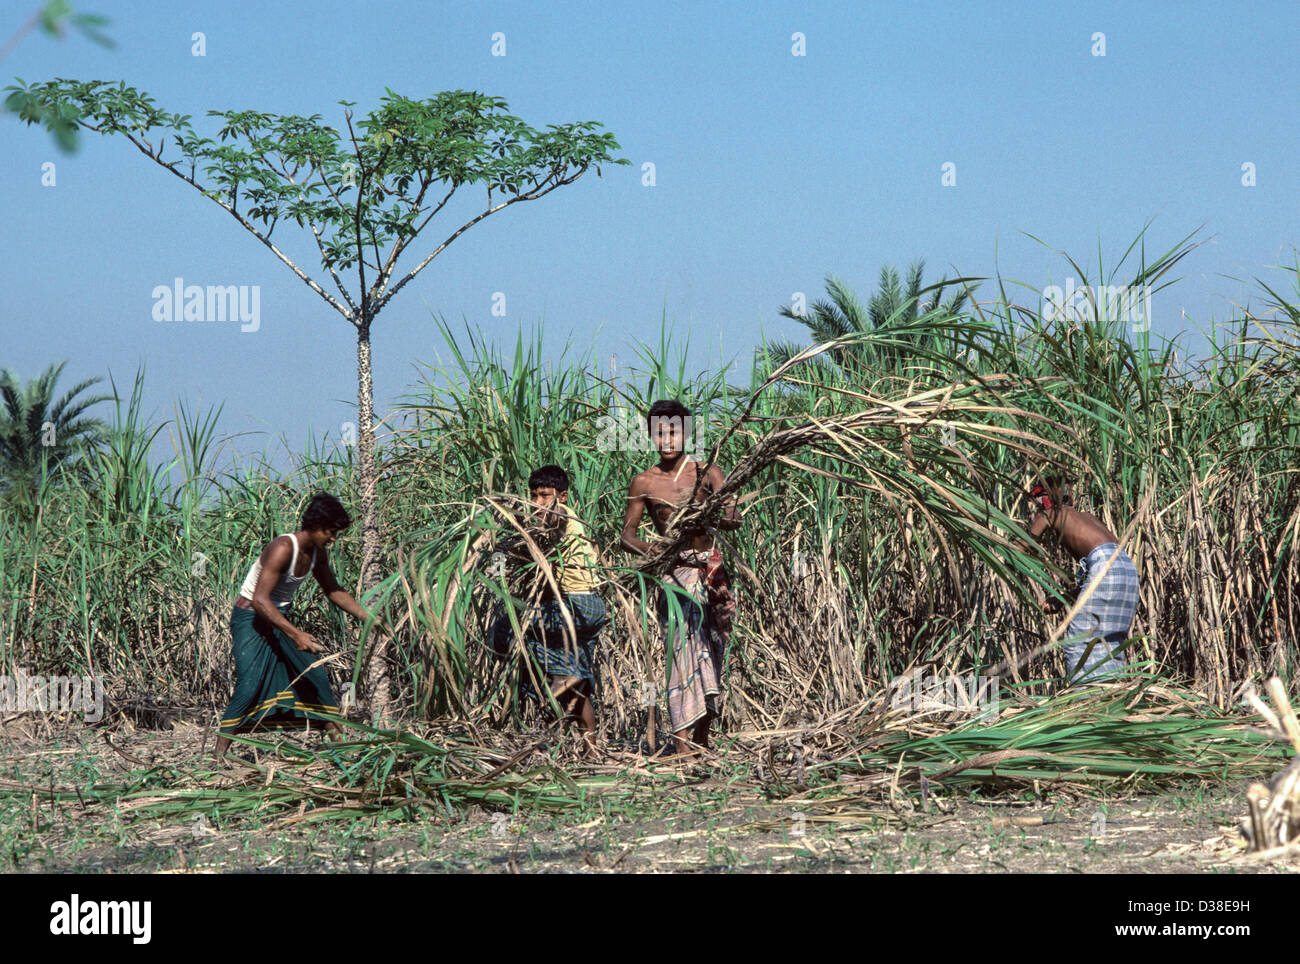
<point>704,823</point>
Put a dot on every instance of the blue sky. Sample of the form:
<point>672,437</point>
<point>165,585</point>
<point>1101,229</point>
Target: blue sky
<point>771,171</point>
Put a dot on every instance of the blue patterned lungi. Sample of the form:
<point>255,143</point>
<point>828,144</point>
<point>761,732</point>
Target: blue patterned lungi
<point>1106,618</point>
<point>545,636</point>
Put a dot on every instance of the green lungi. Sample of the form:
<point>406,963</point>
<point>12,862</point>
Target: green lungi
<point>273,687</point>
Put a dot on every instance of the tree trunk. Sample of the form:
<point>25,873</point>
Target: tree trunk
<point>375,683</point>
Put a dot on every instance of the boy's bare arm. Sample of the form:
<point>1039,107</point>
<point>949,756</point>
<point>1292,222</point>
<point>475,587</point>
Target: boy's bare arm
<point>636,507</point>
<point>339,596</point>
<point>730,520</point>
<point>1038,527</point>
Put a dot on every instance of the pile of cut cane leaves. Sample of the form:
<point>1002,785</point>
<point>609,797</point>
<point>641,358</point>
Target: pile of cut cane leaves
<point>1134,734</point>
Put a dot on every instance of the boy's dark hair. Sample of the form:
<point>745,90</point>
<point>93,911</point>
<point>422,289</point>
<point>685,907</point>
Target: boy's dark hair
<point>549,477</point>
<point>1063,484</point>
<point>325,512</point>
<point>666,407</point>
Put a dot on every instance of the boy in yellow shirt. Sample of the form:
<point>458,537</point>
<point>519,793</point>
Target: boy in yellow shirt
<point>564,658</point>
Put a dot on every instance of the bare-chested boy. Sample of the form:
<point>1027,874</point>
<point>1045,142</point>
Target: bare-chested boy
<point>700,584</point>
<point>1101,627</point>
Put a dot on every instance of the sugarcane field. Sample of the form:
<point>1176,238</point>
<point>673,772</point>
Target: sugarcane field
<point>685,522</point>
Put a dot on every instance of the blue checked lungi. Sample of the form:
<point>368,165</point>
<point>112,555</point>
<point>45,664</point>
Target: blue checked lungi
<point>545,636</point>
<point>1106,618</point>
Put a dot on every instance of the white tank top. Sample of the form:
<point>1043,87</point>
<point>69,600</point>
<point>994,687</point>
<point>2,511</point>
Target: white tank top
<point>282,592</point>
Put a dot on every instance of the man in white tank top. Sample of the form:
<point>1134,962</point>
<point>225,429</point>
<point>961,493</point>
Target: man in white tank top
<point>275,682</point>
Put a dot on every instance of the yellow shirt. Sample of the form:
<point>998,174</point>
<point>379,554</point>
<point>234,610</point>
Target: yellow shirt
<point>577,570</point>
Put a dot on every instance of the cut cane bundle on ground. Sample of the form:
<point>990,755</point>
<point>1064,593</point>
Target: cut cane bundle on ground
<point>1274,822</point>
<point>1127,736</point>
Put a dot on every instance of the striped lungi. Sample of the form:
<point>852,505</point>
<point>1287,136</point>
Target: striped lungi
<point>696,636</point>
<point>273,686</point>
<point>1102,626</point>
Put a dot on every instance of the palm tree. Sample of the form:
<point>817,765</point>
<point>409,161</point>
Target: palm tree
<point>894,306</point>
<point>38,435</point>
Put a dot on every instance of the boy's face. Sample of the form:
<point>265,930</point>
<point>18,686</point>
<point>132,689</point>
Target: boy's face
<point>668,433</point>
<point>545,497</point>
<point>324,538</point>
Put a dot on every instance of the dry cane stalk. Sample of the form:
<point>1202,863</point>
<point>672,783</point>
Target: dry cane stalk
<point>1274,819</point>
